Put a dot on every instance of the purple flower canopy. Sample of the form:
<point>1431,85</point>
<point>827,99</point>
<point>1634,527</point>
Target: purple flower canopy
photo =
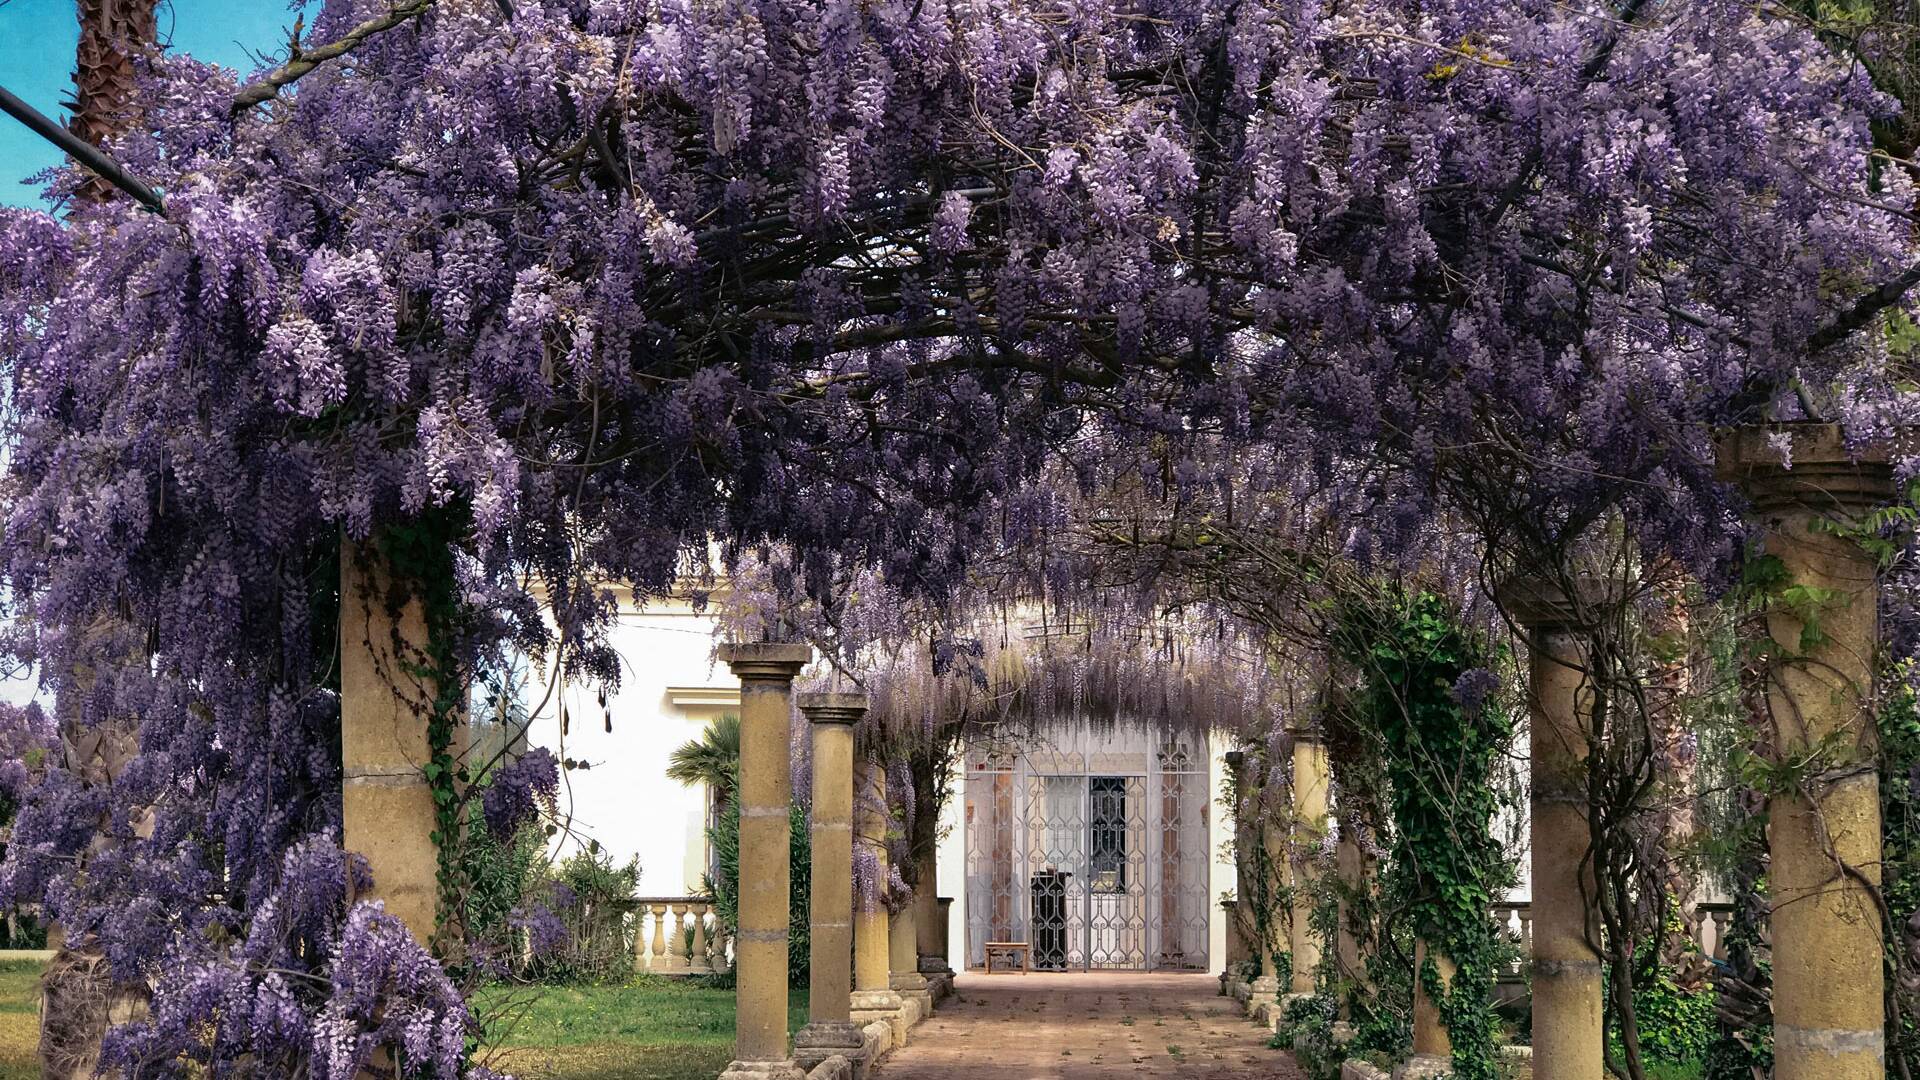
<point>613,280</point>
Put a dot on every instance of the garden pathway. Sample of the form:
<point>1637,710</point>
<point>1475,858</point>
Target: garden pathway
<point>1088,1027</point>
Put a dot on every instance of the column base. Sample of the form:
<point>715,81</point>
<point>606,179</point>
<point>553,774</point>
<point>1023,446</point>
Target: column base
<point>763,1070</point>
<point>885,1005</point>
<point>818,1041</point>
<point>939,987</point>
<point>914,987</point>
<point>1423,1067</point>
<point>938,975</point>
<point>834,1068</point>
<point>1262,993</point>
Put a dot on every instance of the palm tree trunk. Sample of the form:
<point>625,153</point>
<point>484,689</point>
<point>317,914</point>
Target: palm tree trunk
<point>113,34</point>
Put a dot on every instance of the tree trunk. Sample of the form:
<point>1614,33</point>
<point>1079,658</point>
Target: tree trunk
<point>113,33</point>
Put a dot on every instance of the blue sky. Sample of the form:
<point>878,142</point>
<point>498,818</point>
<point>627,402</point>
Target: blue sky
<point>37,39</point>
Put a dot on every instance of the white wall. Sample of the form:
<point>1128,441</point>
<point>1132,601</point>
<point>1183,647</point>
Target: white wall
<point>670,689</point>
<point>951,868</point>
<point>1220,836</point>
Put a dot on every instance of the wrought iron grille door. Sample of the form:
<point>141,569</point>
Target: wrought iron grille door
<point>1092,849</point>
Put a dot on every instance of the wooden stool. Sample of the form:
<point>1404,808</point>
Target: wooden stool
<point>1009,947</point>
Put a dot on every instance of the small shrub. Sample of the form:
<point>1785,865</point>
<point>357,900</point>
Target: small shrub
<point>593,900</point>
<point>1310,1023</point>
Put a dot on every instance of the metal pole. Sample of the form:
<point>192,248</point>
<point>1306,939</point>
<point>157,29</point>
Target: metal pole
<point>80,150</point>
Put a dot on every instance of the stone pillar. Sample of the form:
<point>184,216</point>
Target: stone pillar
<point>830,1028</point>
<point>903,958</point>
<point>766,672</point>
<point>1351,865</point>
<point>873,994</point>
<point>932,955</point>
<point>1824,840</point>
<point>1432,1047</point>
<point>386,804</point>
<point>930,950</point>
<point>1568,1022</point>
<point>1266,989</point>
<point>1310,776</point>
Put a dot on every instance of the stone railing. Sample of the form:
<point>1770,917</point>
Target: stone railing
<point>1517,921</point>
<point>679,935</point>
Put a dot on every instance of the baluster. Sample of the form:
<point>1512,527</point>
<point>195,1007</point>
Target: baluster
<point>722,963</point>
<point>1720,918</point>
<point>640,937</point>
<point>1526,931</point>
<point>677,941</point>
<point>697,962</point>
<point>1503,926</point>
<point>657,962</point>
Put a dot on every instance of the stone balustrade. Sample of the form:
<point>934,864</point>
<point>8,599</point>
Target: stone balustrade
<point>1516,919</point>
<point>679,935</point>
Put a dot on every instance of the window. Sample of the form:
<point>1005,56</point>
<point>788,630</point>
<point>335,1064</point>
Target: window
<point>1108,842</point>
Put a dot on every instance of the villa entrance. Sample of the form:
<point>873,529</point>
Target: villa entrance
<point>1090,848</point>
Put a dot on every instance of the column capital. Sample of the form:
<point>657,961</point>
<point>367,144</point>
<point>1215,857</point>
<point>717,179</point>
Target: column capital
<point>1803,465</point>
<point>1542,604</point>
<point>775,660</point>
<point>1304,731</point>
<point>832,708</point>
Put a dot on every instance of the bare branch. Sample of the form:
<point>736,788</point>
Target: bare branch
<point>304,61</point>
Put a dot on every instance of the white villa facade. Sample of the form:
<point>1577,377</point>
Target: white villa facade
<point>1106,852</point>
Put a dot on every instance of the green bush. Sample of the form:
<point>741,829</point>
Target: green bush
<point>595,900</point>
<point>1308,1023</point>
<point>1676,1026</point>
<point>499,874</point>
<point>724,885</point>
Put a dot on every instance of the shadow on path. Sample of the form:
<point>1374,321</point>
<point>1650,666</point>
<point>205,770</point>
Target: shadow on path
<point>1088,1027</point>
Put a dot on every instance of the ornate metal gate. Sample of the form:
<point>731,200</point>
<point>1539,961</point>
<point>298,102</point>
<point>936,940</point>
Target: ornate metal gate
<point>1091,848</point>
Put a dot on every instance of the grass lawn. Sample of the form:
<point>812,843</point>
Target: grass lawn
<point>648,1029</point>
<point>19,1020</point>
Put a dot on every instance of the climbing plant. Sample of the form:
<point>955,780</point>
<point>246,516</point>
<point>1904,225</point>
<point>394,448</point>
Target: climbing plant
<point>419,555</point>
<point>1899,730</point>
<point>1427,686</point>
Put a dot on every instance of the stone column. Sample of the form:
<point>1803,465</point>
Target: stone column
<point>1266,989</point>
<point>1351,865</point>
<point>873,994</point>
<point>830,1028</point>
<point>1568,1022</point>
<point>1310,776</point>
<point>386,804</point>
<point>926,920</point>
<point>766,671</point>
<point>1432,1046</point>
<point>903,958</point>
<point>1824,840</point>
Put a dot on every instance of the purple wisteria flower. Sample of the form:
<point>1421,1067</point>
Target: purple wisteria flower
<point>519,790</point>
<point>1474,688</point>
